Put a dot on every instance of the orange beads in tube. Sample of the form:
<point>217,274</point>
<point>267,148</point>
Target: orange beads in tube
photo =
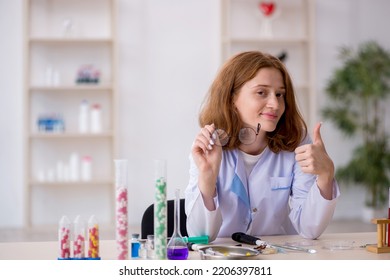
<point>93,239</point>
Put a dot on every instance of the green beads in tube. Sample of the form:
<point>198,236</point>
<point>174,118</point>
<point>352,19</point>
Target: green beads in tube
<point>160,211</point>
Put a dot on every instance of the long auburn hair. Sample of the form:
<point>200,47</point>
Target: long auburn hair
<point>218,107</point>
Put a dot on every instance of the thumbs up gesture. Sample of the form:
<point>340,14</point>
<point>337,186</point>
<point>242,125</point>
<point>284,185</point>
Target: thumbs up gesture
<point>313,159</point>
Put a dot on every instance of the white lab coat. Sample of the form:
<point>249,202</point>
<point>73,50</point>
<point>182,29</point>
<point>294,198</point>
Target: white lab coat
<point>277,198</point>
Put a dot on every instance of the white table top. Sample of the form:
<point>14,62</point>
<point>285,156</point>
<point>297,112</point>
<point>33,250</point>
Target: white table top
<point>49,250</point>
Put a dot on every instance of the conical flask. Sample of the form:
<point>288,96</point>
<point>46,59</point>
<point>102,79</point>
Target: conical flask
<point>177,247</point>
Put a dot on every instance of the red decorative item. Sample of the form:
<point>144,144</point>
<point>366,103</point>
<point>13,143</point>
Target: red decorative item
<point>267,7</point>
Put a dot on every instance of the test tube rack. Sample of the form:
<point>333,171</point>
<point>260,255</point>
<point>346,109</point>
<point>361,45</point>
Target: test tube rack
<point>381,246</point>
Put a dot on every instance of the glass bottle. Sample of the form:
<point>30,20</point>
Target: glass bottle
<point>135,245</point>
<point>142,249</point>
<point>177,247</point>
<point>150,247</point>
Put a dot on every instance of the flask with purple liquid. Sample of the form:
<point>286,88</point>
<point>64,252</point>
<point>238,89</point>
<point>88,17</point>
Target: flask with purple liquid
<point>177,247</point>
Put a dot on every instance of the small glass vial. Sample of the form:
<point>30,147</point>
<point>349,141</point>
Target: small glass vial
<point>142,249</point>
<point>150,247</point>
<point>135,245</point>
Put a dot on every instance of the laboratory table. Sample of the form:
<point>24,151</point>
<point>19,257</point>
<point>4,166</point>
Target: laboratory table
<point>332,246</point>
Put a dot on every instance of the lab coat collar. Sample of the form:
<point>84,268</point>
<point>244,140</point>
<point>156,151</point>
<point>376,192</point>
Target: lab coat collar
<point>239,182</point>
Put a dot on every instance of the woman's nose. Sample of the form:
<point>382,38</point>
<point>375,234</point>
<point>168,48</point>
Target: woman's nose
<point>272,101</point>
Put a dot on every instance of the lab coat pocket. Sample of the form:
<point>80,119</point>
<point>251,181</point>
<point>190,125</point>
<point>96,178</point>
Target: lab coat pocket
<point>281,183</point>
<point>280,194</point>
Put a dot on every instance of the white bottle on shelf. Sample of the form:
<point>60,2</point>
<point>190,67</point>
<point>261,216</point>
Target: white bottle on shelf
<point>49,76</point>
<point>74,167</point>
<point>60,171</point>
<point>96,118</point>
<point>66,173</point>
<point>86,168</point>
<point>83,116</point>
<point>56,79</point>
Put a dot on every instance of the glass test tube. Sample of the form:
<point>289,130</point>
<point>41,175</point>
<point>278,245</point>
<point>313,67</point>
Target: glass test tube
<point>150,246</point>
<point>121,202</point>
<point>79,238</point>
<point>160,210</point>
<point>64,238</point>
<point>93,238</point>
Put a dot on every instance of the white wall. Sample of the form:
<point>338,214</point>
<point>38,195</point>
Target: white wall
<point>168,55</point>
<point>346,23</point>
<point>11,110</point>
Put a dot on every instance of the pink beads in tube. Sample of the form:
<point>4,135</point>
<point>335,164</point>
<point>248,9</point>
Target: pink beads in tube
<point>64,237</point>
<point>79,239</point>
<point>121,203</point>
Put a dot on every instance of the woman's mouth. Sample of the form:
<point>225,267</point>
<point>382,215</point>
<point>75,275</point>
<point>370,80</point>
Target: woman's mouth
<point>269,116</point>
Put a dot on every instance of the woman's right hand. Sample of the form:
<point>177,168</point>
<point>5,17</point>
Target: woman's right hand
<point>207,157</point>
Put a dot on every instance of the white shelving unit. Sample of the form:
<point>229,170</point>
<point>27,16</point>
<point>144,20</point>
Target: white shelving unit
<point>292,32</point>
<point>60,37</point>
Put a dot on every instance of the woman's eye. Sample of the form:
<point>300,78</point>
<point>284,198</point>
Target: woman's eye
<point>279,94</point>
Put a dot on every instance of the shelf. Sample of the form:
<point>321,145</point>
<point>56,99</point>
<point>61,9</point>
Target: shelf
<point>77,183</point>
<point>70,41</point>
<point>72,88</point>
<point>65,135</point>
<point>274,41</point>
<point>66,42</point>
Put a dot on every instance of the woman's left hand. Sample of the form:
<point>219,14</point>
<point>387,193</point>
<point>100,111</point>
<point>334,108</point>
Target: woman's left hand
<point>314,159</point>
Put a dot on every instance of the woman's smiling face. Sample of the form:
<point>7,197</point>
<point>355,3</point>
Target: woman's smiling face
<point>262,100</point>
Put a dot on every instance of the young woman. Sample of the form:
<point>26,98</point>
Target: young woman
<point>253,166</point>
